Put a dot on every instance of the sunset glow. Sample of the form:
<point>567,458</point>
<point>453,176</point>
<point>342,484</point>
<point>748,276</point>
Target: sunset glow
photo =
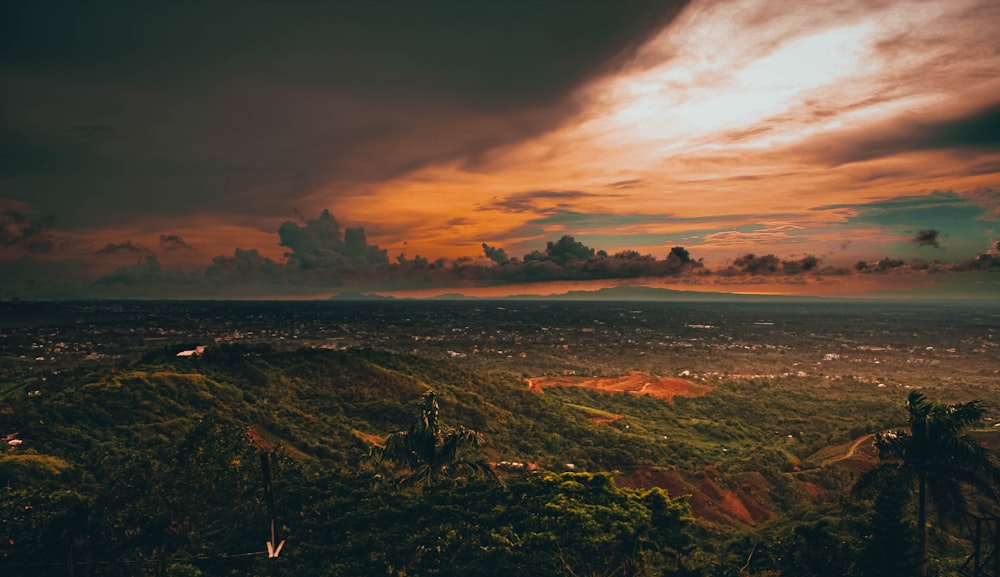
<point>846,132</point>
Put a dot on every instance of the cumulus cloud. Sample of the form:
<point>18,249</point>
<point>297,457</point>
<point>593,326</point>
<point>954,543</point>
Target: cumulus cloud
<point>805,264</point>
<point>881,265</point>
<point>679,254</point>
<point>497,255</point>
<point>769,264</point>
<point>981,262</point>
<point>569,259</point>
<point>753,264</point>
<point>325,257</point>
<point>564,250</point>
<point>320,244</point>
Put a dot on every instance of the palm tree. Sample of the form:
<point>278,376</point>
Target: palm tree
<point>427,451</point>
<point>938,457</point>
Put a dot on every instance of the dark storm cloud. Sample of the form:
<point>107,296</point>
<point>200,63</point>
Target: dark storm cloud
<point>178,107</point>
<point>977,131</point>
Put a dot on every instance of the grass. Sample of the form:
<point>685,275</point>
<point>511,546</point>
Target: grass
<point>594,412</point>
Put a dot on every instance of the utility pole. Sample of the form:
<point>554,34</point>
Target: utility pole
<point>273,546</point>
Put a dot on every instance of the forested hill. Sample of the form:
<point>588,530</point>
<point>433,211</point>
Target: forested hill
<point>328,406</point>
<point>319,405</point>
<point>151,466</point>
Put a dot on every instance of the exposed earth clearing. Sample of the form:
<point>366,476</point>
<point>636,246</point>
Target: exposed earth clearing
<point>636,383</point>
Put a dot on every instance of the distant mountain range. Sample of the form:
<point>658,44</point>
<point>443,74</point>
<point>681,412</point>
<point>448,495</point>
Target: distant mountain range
<point>644,293</point>
<point>619,293</point>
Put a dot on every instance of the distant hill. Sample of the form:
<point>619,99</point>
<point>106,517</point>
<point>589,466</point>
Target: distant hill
<point>644,293</point>
<point>360,296</point>
<point>640,294</point>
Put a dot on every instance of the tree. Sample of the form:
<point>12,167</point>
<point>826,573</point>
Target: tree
<point>584,524</point>
<point>937,457</point>
<point>542,525</point>
<point>427,451</point>
<point>888,539</point>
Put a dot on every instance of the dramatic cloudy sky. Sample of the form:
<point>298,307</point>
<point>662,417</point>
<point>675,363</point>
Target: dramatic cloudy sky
<point>191,148</point>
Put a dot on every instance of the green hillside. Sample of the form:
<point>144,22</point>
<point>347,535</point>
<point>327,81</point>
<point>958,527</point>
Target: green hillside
<point>151,467</point>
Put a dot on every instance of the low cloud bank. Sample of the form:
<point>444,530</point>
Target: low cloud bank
<point>323,256</point>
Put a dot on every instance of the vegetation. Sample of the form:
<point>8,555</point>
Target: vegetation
<point>938,458</point>
<point>427,452</point>
<point>147,463</point>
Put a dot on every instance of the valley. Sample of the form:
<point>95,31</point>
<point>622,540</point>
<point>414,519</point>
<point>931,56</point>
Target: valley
<point>758,416</point>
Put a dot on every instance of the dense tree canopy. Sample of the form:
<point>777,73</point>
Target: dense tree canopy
<point>937,459</point>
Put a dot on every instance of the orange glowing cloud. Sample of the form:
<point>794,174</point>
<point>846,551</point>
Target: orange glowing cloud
<point>737,108</point>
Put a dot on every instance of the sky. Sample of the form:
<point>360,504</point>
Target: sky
<point>260,149</point>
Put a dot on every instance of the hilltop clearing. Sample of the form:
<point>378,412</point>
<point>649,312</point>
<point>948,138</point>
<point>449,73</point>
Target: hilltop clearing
<point>634,383</point>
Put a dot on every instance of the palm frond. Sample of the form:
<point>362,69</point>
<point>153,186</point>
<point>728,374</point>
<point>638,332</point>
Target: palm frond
<point>428,451</point>
<point>880,476</point>
<point>892,445</point>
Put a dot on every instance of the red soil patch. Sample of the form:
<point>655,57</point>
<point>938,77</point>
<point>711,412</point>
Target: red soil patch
<point>606,420</point>
<point>739,500</point>
<point>635,383</point>
<point>812,489</point>
<point>368,438</point>
<point>259,438</point>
